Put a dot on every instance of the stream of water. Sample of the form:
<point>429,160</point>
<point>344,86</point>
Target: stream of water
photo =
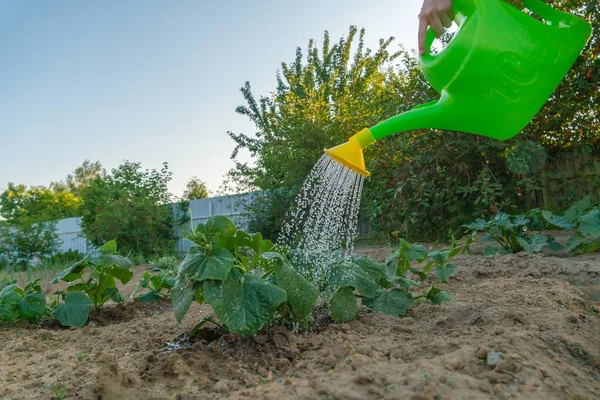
<point>323,224</point>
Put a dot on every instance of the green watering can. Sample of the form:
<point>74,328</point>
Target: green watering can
<point>493,77</point>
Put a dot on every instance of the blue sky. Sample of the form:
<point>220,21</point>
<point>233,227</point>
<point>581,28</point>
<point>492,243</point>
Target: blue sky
<point>153,81</point>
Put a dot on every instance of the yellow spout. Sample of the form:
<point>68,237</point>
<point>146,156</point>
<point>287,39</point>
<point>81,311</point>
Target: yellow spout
<point>350,154</point>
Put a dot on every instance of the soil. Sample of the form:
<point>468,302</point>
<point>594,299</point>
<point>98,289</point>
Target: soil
<point>521,326</point>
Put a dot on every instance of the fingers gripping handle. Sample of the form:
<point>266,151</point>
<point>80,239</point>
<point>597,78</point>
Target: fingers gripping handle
<point>459,11</point>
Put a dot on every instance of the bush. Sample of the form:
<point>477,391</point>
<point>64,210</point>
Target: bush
<point>132,206</point>
<point>27,244</point>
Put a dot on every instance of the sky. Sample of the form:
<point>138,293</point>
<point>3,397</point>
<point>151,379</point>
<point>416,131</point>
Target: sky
<point>154,81</point>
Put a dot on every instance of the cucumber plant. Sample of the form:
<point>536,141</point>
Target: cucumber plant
<point>22,303</point>
<point>511,234</point>
<point>85,292</point>
<point>251,283</point>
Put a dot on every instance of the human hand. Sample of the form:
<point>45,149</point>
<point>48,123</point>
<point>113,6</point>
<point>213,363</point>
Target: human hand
<point>439,14</point>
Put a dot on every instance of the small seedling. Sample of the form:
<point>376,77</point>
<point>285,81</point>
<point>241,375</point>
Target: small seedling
<point>80,357</point>
<point>59,390</point>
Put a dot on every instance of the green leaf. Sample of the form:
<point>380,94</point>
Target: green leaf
<point>74,272</point>
<point>96,291</point>
<point>350,274</point>
<point>243,305</point>
<point>553,245</point>
<point>215,266</point>
<point>148,297</point>
<point>480,225</point>
<point>117,297</point>
<point>10,300</point>
<point>443,273</point>
<point>502,220</point>
<point>168,282</point>
<point>372,268</point>
<point>394,302</point>
<point>156,281</point>
<point>32,306</point>
<point>437,296</point>
<point>538,242</point>
<point>182,296</point>
<point>33,286</point>
<point>574,242</point>
<point>523,242</point>
<point>78,287</point>
<point>11,294</point>
<point>160,282</point>
<point>440,257</point>
<point>390,269</point>
<point>521,220</point>
<point>221,225</point>
<point>266,245</point>
<point>343,306</point>
<point>109,247</point>
<point>413,252</point>
<point>534,244</point>
<point>407,283</point>
<point>75,310</point>
<point>421,274</point>
<point>490,250</point>
<point>109,291</point>
<point>589,224</point>
<point>122,274</point>
<point>199,296</point>
<point>301,295</point>
<point>243,239</point>
<point>504,251</point>
<point>556,221</point>
<point>8,312</point>
<point>118,260</point>
<point>577,209</point>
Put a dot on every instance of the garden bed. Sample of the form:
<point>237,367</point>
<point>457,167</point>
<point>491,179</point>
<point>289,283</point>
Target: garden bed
<point>540,312</point>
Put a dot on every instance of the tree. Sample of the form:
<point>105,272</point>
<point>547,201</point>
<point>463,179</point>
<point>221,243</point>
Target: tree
<point>76,181</point>
<point>37,204</point>
<point>195,189</point>
<point>28,232</point>
<point>132,206</point>
<point>318,103</point>
<point>82,176</point>
<point>29,241</point>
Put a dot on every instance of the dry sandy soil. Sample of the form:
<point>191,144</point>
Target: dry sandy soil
<point>540,312</point>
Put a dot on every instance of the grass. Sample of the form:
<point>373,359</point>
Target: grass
<point>43,271</point>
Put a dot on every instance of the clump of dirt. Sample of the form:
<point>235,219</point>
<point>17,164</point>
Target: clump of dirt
<point>520,326</point>
<point>112,383</point>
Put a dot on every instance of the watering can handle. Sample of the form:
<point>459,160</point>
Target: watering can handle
<point>537,6</point>
<point>431,35</point>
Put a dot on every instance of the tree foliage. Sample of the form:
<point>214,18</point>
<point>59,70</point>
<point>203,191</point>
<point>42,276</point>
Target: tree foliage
<point>195,189</point>
<point>37,203</point>
<point>27,243</point>
<point>80,178</point>
<point>130,205</point>
<point>318,103</point>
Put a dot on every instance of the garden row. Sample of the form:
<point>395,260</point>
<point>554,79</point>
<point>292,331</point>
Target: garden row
<point>251,282</point>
